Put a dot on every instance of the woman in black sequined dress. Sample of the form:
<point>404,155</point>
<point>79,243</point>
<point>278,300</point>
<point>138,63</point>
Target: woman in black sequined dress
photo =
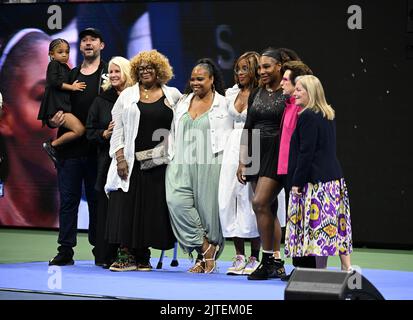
<point>265,109</point>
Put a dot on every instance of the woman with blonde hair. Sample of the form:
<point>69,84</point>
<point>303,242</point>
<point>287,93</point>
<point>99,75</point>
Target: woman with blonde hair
<point>99,128</point>
<point>138,216</point>
<point>123,71</point>
<point>319,221</point>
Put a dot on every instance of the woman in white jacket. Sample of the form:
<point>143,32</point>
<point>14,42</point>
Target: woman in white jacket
<point>138,216</point>
<point>201,127</point>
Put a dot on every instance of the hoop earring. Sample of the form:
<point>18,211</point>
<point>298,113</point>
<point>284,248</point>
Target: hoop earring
<point>213,88</point>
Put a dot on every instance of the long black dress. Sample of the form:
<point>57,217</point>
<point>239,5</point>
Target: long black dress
<point>55,98</point>
<point>139,219</point>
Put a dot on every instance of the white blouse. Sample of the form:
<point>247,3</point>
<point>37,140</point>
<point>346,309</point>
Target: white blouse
<point>239,118</point>
<point>126,115</point>
<point>219,120</point>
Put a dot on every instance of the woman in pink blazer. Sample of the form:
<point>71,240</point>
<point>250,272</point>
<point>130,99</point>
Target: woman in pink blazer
<point>290,71</point>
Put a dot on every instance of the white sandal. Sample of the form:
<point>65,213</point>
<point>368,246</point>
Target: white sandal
<point>198,267</point>
<point>214,268</point>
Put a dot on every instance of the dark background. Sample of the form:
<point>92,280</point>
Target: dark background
<point>366,76</point>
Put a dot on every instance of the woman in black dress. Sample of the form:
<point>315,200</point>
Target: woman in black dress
<point>138,216</point>
<point>99,128</point>
<point>265,109</point>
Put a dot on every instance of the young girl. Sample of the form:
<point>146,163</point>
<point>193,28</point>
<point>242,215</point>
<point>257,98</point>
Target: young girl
<point>57,96</point>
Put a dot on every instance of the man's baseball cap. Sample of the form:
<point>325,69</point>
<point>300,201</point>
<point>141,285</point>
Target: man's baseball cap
<point>91,32</point>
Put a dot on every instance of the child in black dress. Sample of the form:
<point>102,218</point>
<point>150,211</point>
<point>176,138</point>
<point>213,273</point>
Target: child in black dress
<point>57,96</point>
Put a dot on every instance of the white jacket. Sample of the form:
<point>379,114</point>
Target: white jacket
<point>126,115</point>
<point>220,122</point>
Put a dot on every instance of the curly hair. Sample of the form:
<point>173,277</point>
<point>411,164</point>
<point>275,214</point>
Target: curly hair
<point>163,69</point>
<point>213,70</point>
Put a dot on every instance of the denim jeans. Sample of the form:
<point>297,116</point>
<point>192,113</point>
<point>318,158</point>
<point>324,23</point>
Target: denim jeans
<point>72,174</point>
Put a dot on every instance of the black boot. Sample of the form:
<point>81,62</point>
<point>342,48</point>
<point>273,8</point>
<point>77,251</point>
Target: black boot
<point>63,258</point>
<point>269,268</point>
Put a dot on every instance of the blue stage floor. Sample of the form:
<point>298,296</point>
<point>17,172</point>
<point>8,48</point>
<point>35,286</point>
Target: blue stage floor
<point>171,283</point>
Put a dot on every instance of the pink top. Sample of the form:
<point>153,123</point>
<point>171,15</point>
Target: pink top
<point>288,123</point>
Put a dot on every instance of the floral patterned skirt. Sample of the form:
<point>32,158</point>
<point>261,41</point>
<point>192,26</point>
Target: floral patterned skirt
<point>319,221</point>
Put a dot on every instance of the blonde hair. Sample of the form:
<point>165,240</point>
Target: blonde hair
<point>316,98</point>
<point>125,67</point>
<point>163,69</point>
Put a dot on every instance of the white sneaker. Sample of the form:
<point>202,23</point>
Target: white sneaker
<point>349,270</point>
<point>251,266</point>
<point>237,266</point>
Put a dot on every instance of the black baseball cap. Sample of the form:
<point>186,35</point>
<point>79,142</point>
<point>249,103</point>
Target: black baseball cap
<point>91,32</point>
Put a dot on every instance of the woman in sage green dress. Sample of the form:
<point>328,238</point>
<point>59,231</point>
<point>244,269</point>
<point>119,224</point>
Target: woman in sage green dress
<point>200,131</point>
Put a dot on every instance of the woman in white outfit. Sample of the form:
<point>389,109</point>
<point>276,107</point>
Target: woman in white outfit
<point>237,217</point>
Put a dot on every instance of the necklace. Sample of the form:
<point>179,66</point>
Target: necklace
<point>271,91</point>
<point>146,93</point>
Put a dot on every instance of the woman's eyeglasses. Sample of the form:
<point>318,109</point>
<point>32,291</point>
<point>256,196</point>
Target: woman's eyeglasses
<point>146,68</point>
<point>243,70</point>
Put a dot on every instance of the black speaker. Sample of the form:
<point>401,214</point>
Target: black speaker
<point>322,284</point>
